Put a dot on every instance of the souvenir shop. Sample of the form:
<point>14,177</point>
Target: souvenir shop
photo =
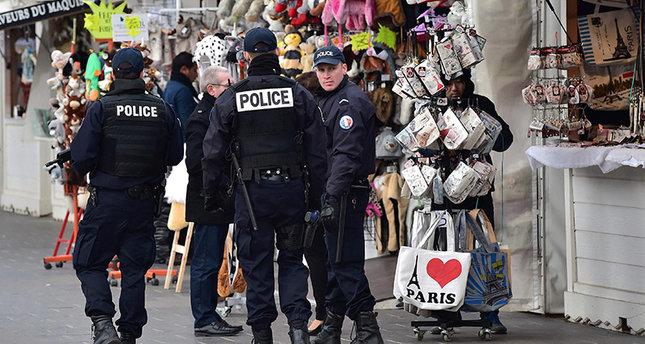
<point>586,98</point>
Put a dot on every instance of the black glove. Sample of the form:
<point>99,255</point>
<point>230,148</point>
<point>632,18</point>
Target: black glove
<point>214,202</point>
<point>330,212</point>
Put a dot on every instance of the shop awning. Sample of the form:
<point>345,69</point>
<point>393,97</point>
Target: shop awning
<point>45,10</point>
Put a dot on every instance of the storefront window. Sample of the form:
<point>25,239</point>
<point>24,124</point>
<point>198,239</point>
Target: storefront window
<point>20,59</point>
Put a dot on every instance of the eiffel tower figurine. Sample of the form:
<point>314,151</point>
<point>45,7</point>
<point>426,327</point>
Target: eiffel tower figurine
<point>621,52</point>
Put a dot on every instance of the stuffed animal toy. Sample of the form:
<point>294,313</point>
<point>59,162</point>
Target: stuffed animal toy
<point>255,9</point>
<point>271,18</point>
<point>291,63</point>
<point>393,10</point>
<point>240,8</point>
<point>211,48</point>
<point>307,60</point>
<point>224,8</point>
<point>57,131</point>
<point>383,101</point>
<point>93,71</point>
<point>74,86</point>
<point>291,6</point>
<point>107,57</point>
<point>386,146</point>
<point>354,14</point>
<point>316,7</point>
<point>59,60</point>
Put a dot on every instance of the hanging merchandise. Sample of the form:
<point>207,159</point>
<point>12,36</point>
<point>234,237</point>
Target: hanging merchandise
<point>355,15</point>
<point>609,38</point>
<point>460,183</point>
<point>386,146</point>
<point>453,133</point>
<point>420,133</point>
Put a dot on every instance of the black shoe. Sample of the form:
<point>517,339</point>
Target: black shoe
<point>367,330</point>
<point>221,328</point>
<point>299,335</point>
<point>331,330</point>
<point>103,331</point>
<point>264,336</point>
<point>128,338</point>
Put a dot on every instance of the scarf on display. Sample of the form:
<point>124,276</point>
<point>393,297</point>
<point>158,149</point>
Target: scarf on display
<point>264,65</point>
<point>181,78</point>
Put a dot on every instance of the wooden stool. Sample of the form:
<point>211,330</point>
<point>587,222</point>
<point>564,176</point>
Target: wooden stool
<point>176,222</point>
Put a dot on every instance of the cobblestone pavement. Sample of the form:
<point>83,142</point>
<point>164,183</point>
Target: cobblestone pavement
<point>39,306</point>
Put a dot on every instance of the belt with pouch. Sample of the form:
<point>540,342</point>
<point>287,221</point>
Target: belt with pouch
<point>274,175</point>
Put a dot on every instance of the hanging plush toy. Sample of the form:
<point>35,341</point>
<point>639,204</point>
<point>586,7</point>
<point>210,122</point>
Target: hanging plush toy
<point>316,7</point>
<point>291,63</point>
<point>93,71</point>
<point>240,8</point>
<point>354,14</point>
<point>108,77</point>
<point>307,49</point>
<point>269,16</point>
<point>254,11</point>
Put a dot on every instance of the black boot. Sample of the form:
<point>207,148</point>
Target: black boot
<point>103,331</point>
<point>263,336</point>
<point>128,338</point>
<point>331,331</point>
<point>367,330</point>
<point>299,335</point>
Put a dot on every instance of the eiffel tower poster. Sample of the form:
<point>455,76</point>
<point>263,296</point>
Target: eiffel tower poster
<point>613,37</point>
<point>621,52</point>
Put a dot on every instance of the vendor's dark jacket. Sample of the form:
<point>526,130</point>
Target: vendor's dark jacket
<point>196,130</point>
<point>86,146</point>
<point>504,141</point>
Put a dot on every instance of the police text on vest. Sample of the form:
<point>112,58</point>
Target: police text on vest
<point>136,111</point>
<point>268,98</point>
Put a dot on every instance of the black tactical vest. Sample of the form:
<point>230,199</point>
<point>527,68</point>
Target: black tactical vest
<point>135,135</point>
<point>267,131</point>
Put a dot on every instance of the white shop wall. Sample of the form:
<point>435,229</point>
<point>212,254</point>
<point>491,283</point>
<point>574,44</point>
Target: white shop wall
<point>538,260</point>
<point>26,188</point>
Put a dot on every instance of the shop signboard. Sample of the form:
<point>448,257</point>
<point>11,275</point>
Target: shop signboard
<point>99,23</point>
<point>129,27</point>
<point>45,10</point>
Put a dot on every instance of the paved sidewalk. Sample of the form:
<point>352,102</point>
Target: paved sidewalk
<point>39,306</point>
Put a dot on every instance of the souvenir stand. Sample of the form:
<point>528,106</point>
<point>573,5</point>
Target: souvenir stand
<point>597,140</point>
<point>445,144</point>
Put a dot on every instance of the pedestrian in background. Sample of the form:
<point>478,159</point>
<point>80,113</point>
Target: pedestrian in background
<point>179,92</point>
<point>210,228</point>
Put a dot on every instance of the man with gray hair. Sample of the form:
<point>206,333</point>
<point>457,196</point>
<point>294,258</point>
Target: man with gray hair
<point>210,228</point>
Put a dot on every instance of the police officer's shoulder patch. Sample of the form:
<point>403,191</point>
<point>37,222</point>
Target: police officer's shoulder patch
<point>346,122</point>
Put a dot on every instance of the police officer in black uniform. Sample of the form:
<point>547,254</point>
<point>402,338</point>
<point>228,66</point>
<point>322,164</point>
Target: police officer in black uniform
<point>274,128</point>
<point>125,142</point>
<point>349,123</point>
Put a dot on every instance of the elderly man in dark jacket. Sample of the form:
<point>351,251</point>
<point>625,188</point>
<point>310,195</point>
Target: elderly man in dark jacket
<point>211,228</point>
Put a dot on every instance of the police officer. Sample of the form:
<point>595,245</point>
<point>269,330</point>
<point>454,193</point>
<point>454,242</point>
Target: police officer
<point>125,142</point>
<point>349,122</point>
<point>274,129</point>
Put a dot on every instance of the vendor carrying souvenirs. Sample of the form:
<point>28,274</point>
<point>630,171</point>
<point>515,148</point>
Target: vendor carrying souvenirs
<point>460,92</point>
